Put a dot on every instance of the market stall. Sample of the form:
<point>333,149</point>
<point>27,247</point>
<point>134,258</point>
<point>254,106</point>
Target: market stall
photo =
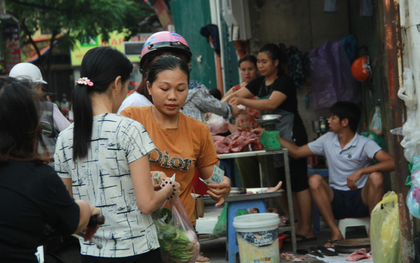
<point>253,198</point>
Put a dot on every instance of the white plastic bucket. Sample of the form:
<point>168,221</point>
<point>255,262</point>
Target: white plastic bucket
<point>258,237</point>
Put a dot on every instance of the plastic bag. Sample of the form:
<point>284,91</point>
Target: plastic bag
<point>413,195</point>
<point>380,140</point>
<point>217,124</point>
<point>332,81</point>
<point>411,133</point>
<point>385,230</point>
<point>220,227</point>
<point>177,238</point>
<point>375,124</point>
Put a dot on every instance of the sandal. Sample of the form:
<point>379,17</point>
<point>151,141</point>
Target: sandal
<point>300,239</point>
<point>327,251</point>
<point>329,241</point>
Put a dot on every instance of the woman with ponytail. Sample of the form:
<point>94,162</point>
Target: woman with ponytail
<point>276,94</point>
<point>103,158</point>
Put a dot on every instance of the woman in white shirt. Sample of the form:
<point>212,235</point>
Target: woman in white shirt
<point>104,158</point>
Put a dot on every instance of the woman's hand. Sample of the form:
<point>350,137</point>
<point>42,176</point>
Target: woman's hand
<point>233,128</point>
<point>236,101</point>
<point>175,187</point>
<point>219,192</point>
<point>236,111</point>
<point>258,131</point>
<point>89,231</point>
<point>156,182</point>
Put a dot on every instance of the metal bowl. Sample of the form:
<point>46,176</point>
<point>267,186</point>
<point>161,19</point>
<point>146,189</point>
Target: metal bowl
<point>268,118</point>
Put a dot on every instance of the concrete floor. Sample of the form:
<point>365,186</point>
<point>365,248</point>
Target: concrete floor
<point>214,246</point>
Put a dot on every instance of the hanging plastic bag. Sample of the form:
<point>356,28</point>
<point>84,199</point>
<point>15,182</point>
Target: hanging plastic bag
<point>217,124</point>
<point>375,124</point>
<point>177,238</point>
<point>332,81</point>
<point>413,195</point>
<point>385,230</point>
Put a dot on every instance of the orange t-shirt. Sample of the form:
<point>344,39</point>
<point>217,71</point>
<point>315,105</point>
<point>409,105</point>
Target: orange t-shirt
<point>178,150</point>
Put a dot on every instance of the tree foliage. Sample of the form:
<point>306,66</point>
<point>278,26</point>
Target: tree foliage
<point>76,19</point>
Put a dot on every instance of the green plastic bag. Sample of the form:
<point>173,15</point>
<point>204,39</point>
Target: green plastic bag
<point>379,139</point>
<point>385,230</point>
<point>220,227</point>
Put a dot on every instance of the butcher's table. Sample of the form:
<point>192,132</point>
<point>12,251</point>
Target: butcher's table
<point>259,198</point>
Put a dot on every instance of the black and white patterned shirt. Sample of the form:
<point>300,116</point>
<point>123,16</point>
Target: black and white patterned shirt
<point>103,179</point>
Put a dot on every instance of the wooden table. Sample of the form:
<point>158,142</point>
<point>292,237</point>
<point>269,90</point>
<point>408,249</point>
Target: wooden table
<point>264,176</point>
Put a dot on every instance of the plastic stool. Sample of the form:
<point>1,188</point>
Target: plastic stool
<point>352,222</point>
<point>231,243</point>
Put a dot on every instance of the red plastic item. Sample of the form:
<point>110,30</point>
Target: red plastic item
<point>361,70</point>
<point>281,237</point>
<point>199,187</point>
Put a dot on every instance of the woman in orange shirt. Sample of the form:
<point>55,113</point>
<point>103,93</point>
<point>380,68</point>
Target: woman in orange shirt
<point>182,143</point>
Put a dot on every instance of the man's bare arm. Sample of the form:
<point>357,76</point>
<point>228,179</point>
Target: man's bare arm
<point>295,151</point>
<point>386,163</point>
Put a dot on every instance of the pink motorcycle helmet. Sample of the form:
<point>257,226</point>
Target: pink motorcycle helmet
<point>163,40</point>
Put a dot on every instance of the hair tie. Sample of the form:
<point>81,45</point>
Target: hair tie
<point>84,81</point>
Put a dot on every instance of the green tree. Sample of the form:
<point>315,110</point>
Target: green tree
<point>75,19</point>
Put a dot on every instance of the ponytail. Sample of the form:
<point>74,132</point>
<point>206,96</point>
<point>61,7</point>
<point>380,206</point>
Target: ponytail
<point>100,67</point>
<point>83,120</point>
<point>277,52</point>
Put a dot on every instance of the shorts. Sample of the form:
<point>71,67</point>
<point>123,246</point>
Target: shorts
<point>348,204</point>
<point>153,256</point>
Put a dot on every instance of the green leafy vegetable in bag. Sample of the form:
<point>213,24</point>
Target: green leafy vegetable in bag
<point>177,243</point>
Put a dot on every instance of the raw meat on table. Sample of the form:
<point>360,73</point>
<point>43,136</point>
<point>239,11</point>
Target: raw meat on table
<point>237,142</point>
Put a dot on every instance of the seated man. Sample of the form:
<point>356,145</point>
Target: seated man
<point>355,185</point>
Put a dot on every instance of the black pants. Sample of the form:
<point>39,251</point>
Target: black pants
<point>152,256</point>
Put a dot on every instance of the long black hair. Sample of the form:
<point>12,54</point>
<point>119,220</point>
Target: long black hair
<point>19,121</point>
<point>278,52</point>
<point>101,65</point>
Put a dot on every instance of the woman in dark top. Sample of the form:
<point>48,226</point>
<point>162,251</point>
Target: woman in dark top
<point>276,94</point>
<point>31,192</point>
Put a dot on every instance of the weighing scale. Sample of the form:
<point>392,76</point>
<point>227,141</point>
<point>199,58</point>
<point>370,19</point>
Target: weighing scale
<point>270,137</point>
